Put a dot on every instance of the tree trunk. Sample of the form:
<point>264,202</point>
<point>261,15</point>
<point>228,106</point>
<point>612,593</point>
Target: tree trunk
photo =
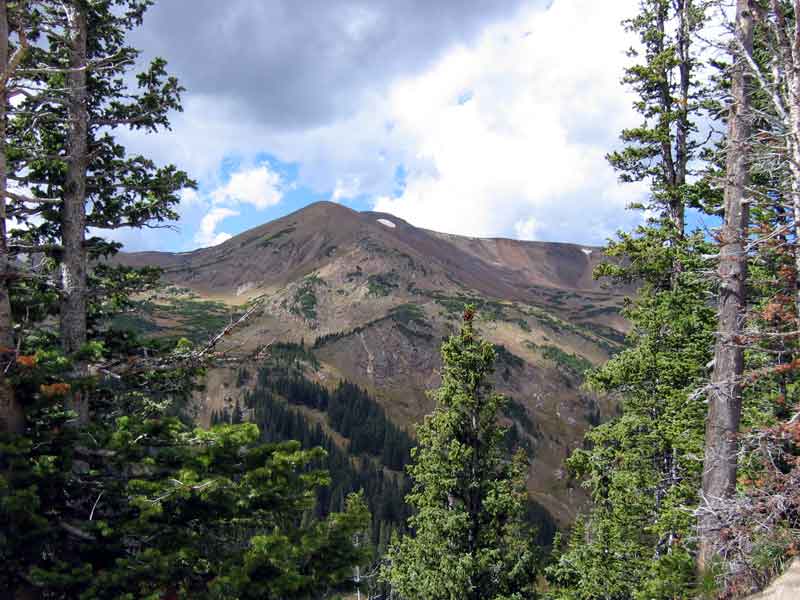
<point>682,126</point>
<point>73,212</point>
<point>12,418</point>
<point>725,397</point>
<point>792,57</point>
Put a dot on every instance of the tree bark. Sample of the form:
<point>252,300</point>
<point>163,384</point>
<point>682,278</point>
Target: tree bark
<point>73,211</point>
<point>725,398</point>
<point>682,126</point>
<point>792,57</point>
<point>12,418</point>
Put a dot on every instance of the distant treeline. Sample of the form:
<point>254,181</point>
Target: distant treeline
<point>384,490</point>
<point>351,412</point>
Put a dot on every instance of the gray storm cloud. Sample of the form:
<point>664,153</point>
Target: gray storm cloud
<point>296,64</point>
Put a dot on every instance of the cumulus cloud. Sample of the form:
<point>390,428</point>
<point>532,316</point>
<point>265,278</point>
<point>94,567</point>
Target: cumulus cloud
<point>299,65</point>
<point>260,186</point>
<point>346,188</point>
<point>207,234</point>
<point>526,229</point>
<point>498,114</point>
<point>515,129</point>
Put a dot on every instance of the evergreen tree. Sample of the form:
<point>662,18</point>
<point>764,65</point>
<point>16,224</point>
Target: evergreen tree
<point>133,502</point>
<point>642,468</point>
<point>469,540</point>
<point>65,152</point>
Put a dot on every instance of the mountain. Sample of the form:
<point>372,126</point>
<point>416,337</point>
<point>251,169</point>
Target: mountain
<point>370,298</point>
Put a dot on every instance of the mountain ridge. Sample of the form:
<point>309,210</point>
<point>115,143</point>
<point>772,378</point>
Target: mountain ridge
<point>497,265</point>
<point>371,297</point>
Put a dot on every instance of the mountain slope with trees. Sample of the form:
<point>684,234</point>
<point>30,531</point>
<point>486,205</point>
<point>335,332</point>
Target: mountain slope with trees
<point>371,304</point>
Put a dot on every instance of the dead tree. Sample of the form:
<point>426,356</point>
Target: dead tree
<point>725,395</point>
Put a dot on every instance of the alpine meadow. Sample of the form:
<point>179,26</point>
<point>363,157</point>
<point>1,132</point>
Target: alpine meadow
<point>458,300</point>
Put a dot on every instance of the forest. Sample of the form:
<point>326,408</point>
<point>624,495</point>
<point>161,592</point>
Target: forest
<point>110,489</point>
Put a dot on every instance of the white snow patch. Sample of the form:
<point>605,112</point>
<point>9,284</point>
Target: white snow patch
<point>387,222</point>
<point>586,251</point>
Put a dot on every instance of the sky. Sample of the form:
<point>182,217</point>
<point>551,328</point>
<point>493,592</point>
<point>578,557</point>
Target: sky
<point>474,117</point>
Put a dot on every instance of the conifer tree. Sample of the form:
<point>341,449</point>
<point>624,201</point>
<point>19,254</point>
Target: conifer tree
<point>66,155</point>
<point>641,468</point>
<point>468,540</point>
<point>133,502</point>
<point>11,412</point>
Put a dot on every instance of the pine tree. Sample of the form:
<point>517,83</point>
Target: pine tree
<point>134,502</point>
<point>641,468</point>
<point>65,152</point>
<point>11,412</point>
<point>468,541</point>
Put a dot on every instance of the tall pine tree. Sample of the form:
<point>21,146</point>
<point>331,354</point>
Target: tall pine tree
<point>469,540</point>
<point>642,468</point>
<point>65,153</point>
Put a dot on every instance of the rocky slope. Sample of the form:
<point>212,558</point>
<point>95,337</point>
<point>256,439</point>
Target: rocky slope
<point>374,297</point>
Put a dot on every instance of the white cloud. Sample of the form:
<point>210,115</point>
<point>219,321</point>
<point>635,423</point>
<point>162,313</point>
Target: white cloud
<point>346,188</point>
<point>207,234</point>
<point>526,229</point>
<point>522,151</point>
<point>260,186</point>
<point>505,136</point>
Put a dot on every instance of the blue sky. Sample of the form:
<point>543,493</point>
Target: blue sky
<point>473,117</point>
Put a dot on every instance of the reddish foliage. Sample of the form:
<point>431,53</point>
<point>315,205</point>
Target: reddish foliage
<point>26,361</point>
<point>54,390</point>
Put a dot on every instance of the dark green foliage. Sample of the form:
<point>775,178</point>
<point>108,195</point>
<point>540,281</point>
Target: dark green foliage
<point>267,240</point>
<point>351,412</point>
<point>304,300</point>
<point>469,539</point>
<point>353,275</point>
<point>144,504</point>
<point>201,514</point>
<point>382,490</point>
<point>517,413</point>
<point>491,310</point>
<point>382,284</point>
<point>413,334</point>
<point>363,421</point>
<point>576,365</point>
<point>131,501</point>
<point>287,356</point>
<point>641,468</point>
<point>338,335</point>
<point>122,190</point>
<point>197,320</point>
<point>507,358</point>
<point>409,314</point>
<point>613,338</point>
<point>408,318</point>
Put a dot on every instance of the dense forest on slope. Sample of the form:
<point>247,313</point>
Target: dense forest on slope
<point>376,451</point>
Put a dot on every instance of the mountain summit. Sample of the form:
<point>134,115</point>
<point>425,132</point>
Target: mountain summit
<point>372,297</point>
<point>325,232</point>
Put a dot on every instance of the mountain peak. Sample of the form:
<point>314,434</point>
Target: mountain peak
<point>329,236</point>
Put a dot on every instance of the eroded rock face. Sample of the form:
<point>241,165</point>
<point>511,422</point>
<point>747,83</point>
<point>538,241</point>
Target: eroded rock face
<point>785,587</point>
